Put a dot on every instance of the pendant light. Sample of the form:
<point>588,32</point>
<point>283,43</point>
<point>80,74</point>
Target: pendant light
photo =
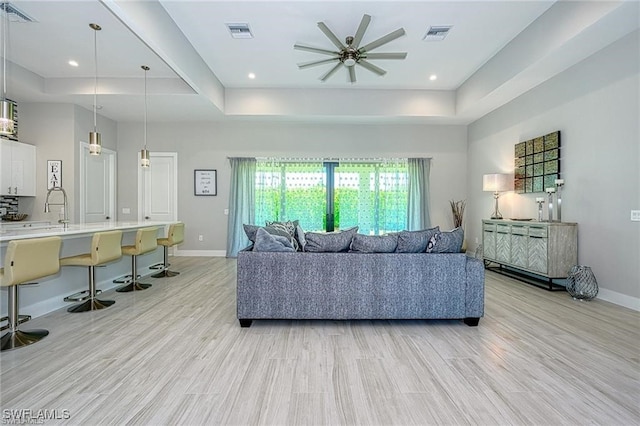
<point>7,121</point>
<point>144,153</point>
<point>95,140</point>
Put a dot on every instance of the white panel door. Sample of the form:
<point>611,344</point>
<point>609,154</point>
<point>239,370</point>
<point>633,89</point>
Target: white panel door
<point>158,194</point>
<point>97,185</point>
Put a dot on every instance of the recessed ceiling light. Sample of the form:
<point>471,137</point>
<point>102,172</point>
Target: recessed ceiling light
<point>252,75</point>
<point>433,77</point>
<point>73,63</point>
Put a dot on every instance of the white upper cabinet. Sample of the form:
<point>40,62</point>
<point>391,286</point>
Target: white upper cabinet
<point>17,169</point>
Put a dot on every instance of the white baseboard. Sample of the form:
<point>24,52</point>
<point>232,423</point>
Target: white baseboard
<point>619,299</point>
<point>198,253</point>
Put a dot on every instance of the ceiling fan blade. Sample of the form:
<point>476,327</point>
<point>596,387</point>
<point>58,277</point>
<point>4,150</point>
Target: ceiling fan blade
<point>371,67</point>
<point>310,64</point>
<point>352,74</point>
<point>335,40</point>
<point>361,30</point>
<point>383,40</point>
<point>331,72</point>
<point>314,49</point>
<point>385,55</point>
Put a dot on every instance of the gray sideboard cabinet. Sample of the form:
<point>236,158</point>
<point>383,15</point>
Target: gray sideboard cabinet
<point>546,249</point>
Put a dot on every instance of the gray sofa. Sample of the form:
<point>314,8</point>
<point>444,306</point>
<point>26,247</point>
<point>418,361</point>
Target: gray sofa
<point>349,286</point>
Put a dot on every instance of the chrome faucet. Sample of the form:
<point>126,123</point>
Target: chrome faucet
<point>65,205</point>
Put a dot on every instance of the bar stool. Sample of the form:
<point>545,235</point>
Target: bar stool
<point>175,235</point>
<point>105,247</point>
<point>26,260</point>
<point>146,241</point>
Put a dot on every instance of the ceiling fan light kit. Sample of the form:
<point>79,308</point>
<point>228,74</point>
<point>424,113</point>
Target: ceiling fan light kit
<point>350,54</point>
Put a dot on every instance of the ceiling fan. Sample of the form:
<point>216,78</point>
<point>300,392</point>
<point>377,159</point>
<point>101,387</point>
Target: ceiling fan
<point>351,54</point>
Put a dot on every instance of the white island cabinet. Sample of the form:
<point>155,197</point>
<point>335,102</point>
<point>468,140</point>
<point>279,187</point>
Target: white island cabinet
<point>48,294</point>
<point>17,168</point>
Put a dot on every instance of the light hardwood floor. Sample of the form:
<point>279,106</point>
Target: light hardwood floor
<point>175,354</point>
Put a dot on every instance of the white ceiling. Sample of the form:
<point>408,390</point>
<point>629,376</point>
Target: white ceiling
<point>495,51</point>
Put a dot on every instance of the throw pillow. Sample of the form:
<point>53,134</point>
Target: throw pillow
<point>300,237</point>
<point>415,241</point>
<point>447,241</point>
<point>268,242</point>
<point>329,242</point>
<point>374,243</point>
<point>285,229</point>
<point>251,230</point>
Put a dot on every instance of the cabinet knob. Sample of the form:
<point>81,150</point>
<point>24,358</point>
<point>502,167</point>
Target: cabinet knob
<point>9,190</point>
<point>15,190</point>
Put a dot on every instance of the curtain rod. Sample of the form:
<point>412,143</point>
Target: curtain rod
<point>318,159</point>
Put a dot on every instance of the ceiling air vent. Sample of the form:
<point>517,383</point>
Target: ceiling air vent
<point>240,30</point>
<point>437,33</point>
<point>15,14</point>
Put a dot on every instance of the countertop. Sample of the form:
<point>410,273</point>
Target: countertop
<point>71,230</point>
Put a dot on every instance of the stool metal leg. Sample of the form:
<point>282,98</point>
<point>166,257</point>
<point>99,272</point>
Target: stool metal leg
<point>165,271</point>
<point>15,338</point>
<point>92,303</point>
<point>135,285</point>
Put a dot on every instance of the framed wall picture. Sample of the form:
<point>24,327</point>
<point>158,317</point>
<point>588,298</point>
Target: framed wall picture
<point>205,182</point>
<point>54,174</point>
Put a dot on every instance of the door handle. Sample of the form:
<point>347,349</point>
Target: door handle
<point>107,218</point>
<point>147,217</point>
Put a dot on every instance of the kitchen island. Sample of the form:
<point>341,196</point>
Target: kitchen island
<point>48,294</point>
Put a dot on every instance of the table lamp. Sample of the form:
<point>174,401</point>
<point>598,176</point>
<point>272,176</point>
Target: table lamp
<point>496,183</point>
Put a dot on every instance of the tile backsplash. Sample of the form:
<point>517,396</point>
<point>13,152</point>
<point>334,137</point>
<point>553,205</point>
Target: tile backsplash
<point>9,203</point>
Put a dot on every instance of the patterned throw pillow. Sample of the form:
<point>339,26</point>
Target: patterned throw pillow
<point>329,242</point>
<point>268,242</point>
<point>286,229</point>
<point>447,241</point>
<point>374,243</point>
<point>415,241</point>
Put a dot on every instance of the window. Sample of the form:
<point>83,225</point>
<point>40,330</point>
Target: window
<point>328,195</point>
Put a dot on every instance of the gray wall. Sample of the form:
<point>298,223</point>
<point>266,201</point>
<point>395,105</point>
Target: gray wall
<point>595,106</point>
<point>56,130</point>
<point>207,146</point>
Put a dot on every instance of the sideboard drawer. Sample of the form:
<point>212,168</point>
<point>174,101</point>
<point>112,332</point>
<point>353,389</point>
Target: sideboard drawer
<point>489,227</point>
<point>520,230</point>
<point>503,229</point>
<point>538,232</point>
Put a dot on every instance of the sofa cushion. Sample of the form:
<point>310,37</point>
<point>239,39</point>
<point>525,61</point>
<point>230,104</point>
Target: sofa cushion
<point>415,241</point>
<point>268,242</point>
<point>374,243</point>
<point>329,242</point>
<point>447,241</point>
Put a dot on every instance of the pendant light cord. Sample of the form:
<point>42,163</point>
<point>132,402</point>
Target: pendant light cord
<point>5,22</point>
<point>95,80</point>
<point>145,106</point>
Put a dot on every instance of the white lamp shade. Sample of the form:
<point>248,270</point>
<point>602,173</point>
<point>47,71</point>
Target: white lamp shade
<point>497,182</point>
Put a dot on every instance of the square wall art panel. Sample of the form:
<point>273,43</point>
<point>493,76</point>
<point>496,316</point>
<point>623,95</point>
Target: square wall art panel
<point>537,163</point>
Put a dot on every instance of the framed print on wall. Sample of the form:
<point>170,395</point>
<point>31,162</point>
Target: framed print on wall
<point>54,174</point>
<point>205,182</point>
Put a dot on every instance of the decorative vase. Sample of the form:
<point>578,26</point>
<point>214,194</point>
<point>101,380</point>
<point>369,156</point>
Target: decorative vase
<point>581,283</point>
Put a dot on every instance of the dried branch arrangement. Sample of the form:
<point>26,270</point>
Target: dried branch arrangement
<point>457,209</point>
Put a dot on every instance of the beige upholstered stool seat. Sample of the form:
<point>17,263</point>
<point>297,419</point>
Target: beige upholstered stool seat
<point>25,261</point>
<point>105,247</point>
<point>146,241</point>
<point>175,235</point>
